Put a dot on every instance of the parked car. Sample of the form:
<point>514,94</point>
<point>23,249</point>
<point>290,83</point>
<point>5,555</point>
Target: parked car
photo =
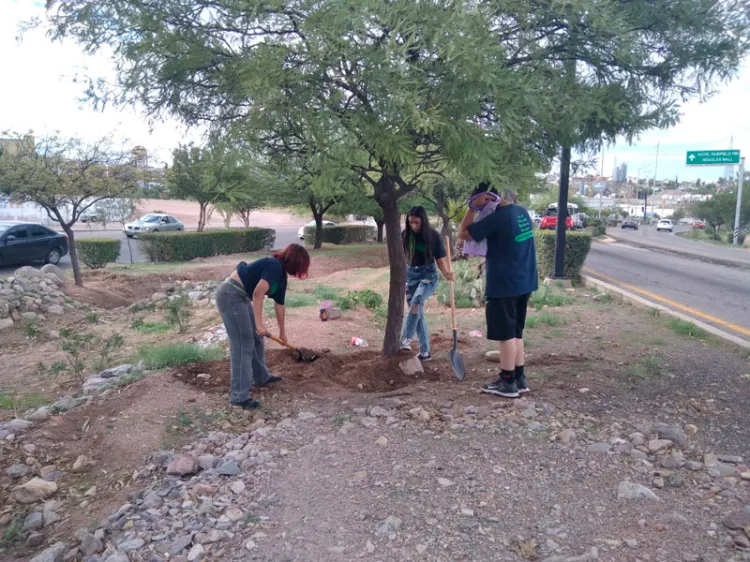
<point>664,224</point>
<point>22,242</point>
<point>301,231</point>
<point>630,223</point>
<point>90,216</point>
<point>549,221</point>
<point>153,222</point>
<point>699,225</point>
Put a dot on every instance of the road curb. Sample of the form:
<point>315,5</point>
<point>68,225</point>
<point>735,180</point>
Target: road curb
<point>690,255</point>
<point>637,300</point>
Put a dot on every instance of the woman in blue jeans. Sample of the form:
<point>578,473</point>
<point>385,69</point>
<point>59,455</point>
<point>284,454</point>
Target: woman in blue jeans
<point>425,253</point>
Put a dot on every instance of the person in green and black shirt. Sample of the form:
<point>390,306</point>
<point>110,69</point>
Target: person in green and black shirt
<point>424,249</point>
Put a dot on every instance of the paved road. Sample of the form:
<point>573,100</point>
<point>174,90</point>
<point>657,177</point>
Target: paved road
<point>647,235</point>
<point>721,292</point>
<point>284,236</point>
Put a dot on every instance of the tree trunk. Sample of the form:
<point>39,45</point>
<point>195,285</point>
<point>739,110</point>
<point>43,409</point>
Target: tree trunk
<point>73,254</point>
<point>318,225</point>
<point>446,230</point>
<point>246,218</point>
<point>202,216</point>
<point>130,249</point>
<point>379,223</point>
<point>385,196</point>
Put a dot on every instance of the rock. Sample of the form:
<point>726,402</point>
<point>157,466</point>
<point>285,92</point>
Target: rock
<point>237,487</point>
<point>33,521</point>
<point>19,426</point>
<point>35,539</point>
<point>732,459</point>
<point>638,454</point>
<point>6,323</point>
<point>67,403</point>
<point>379,412</point>
<point>132,544</point>
<point>637,439</point>
<point>745,475</point>
<point>50,269</point>
<point>721,470</point>
<point>742,541</point>
<point>34,490</point>
<point>28,272</point>
<point>116,556</point>
<point>656,445</point>
<point>183,465</point>
<point>82,462</point>
<point>152,501</point>
<point>631,491</point>
<point>117,372</point>
<point>234,514</point>
<point>672,433</point>
<point>599,448</point>
<point>250,544</point>
<point>737,520</point>
<point>411,366</point>
<point>566,436</point>
<point>306,416</point>
<point>229,468</point>
<point>156,297</point>
<point>388,526</point>
<point>709,460</point>
<point>54,553</point>
<point>196,553</point>
<point>206,462</point>
<point>672,461</point>
<point>493,356</point>
<point>381,441</point>
<point>444,482</point>
<point>50,518</point>
<point>631,543</point>
<point>40,414</point>
<point>421,549</point>
<point>695,466</point>
<point>467,512</point>
<point>16,471</point>
<point>55,309</point>
<point>369,547</point>
<point>90,545</point>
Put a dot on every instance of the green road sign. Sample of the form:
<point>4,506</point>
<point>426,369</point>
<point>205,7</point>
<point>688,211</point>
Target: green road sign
<point>712,157</point>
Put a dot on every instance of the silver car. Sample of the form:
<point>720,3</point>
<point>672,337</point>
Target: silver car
<point>153,222</point>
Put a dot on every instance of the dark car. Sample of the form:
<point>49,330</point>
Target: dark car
<point>22,242</point>
<point>630,223</point>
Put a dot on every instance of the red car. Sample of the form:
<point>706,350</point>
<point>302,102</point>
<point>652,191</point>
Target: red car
<point>699,225</point>
<point>549,221</point>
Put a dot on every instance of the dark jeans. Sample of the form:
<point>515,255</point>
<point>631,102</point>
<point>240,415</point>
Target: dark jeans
<point>246,352</point>
<point>421,283</point>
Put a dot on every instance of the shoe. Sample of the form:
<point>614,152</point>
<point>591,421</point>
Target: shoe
<point>424,357</point>
<point>269,380</point>
<point>405,345</point>
<point>522,385</point>
<point>501,387</point>
<point>248,404</point>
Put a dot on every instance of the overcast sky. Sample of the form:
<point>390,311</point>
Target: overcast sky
<point>39,94</point>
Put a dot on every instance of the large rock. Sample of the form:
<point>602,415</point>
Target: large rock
<point>28,272</point>
<point>58,273</point>
<point>411,366</point>
<point>183,466</point>
<point>90,545</point>
<point>18,425</point>
<point>17,471</point>
<point>6,323</point>
<point>33,521</point>
<point>672,432</point>
<point>34,490</point>
<point>117,372</point>
<point>55,553</point>
<point>738,520</point>
<point>55,309</point>
<point>632,491</point>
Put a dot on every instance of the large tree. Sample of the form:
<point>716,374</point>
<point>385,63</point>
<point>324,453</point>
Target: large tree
<point>67,177</point>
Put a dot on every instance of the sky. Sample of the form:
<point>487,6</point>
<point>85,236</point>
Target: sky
<point>39,94</point>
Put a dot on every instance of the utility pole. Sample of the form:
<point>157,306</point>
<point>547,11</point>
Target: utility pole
<point>656,168</point>
<point>736,239</point>
<point>562,198</point>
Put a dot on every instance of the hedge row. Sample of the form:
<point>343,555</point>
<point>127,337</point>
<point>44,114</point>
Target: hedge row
<point>186,246</point>
<point>98,252</point>
<point>577,246</point>
<point>341,234</point>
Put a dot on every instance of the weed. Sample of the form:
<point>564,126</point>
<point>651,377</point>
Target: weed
<point>547,297</point>
<point>604,298</point>
<point>269,308</point>
<point>532,322</point>
<point>144,327</point>
<point>177,354</point>
<point>298,301</point>
<point>654,312</point>
<point>551,319</point>
<point>178,313</point>
<point>557,333</point>
<point>105,348</point>
<point>30,331</point>
<point>686,328</point>
<point>324,293</point>
<point>352,299</point>
<point>10,401</point>
<point>645,368</point>
<point>125,380</point>
<point>658,341</point>
<point>468,285</point>
<point>77,346</point>
<point>92,318</point>
<point>338,421</point>
<point>13,532</point>
<point>142,307</point>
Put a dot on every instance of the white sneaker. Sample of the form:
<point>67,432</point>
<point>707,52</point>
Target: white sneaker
<point>405,345</point>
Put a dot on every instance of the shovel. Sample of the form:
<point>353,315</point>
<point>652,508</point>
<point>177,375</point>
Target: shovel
<point>457,362</point>
<point>302,354</point>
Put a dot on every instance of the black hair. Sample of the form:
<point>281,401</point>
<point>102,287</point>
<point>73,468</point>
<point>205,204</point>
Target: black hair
<point>409,237</point>
<point>484,187</point>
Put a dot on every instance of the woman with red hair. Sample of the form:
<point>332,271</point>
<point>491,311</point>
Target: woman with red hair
<point>240,303</point>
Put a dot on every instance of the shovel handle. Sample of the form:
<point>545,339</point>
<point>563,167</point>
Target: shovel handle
<point>450,269</point>
<point>281,342</point>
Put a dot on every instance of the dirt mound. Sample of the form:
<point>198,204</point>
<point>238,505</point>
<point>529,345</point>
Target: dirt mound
<point>361,371</point>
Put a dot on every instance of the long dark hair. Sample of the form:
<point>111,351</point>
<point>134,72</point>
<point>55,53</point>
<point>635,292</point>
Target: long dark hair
<point>296,260</point>
<point>409,237</point>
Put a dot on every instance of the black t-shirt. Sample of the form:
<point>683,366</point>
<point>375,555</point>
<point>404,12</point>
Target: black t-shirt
<point>270,270</point>
<point>419,256</point>
<point>511,253</point>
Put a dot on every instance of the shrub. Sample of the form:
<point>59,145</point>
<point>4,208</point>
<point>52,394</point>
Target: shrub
<point>185,246</point>
<point>366,297</point>
<point>577,246</point>
<point>98,252</point>
<point>600,229</point>
<point>740,238</point>
<point>468,285</point>
<point>341,234</point>
<point>177,354</point>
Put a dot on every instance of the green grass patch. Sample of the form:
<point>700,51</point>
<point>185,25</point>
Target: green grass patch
<point>532,322</point>
<point>176,355</point>
<point>547,297</point>
<point>10,401</point>
<point>686,328</point>
<point>654,312</point>
<point>299,300</point>
<point>551,320</point>
<point>13,533</point>
<point>604,298</point>
<point>645,368</point>
<point>323,293</point>
<point>658,341</point>
<point>144,327</point>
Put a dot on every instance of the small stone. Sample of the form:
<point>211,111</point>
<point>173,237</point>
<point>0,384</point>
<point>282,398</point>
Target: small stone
<point>379,412</point>
<point>676,480</point>
<point>179,545</point>
<point>40,414</point>
<point>722,470</point>
<point>672,433</point>
<point>133,544</point>
<point>421,549</point>
<point>732,459</point>
<point>745,475</point>
<point>17,471</point>
<point>91,492</point>
<point>81,463</point>
<point>33,521</point>
<point>631,491</point>
<point>637,439</point>
<point>369,547</point>
<point>19,426</point>
<point>90,545</point>
<point>695,466</point>
<point>234,514</point>
<point>673,461</point>
<point>34,490</point>
<point>388,526</point>
<point>183,466</point>
<point>237,487</point>
<point>306,416</point>
<point>659,482</point>
<point>152,501</point>
<point>55,309</point>
<point>48,470</point>
<point>599,448</point>
<point>709,460</point>
<point>196,553</point>
<point>229,468</point>
<point>35,539</point>
<point>737,520</point>
<point>742,541</point>
<point>6,324</point>
<point>250,544</point>
<point>656,445</point>
<point>206,462</point>
<point>631,543</point>
<point>444,482</point>
<point>467,512</point>
<point>566,435</point>
<point>411,366</point>
<point>381,441</point>
<point>54,553</point>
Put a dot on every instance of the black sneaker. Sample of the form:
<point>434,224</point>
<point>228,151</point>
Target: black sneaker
<point>501,387</point>
<point>269,380</point>
<point>521,384</point>
<point>424,357</point>
<point>248,404</point>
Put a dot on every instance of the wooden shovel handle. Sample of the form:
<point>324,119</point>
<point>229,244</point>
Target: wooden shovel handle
<point>450,269</point>
<point>281,342</point>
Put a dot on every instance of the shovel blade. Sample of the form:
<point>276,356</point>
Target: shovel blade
<point>457,362</point>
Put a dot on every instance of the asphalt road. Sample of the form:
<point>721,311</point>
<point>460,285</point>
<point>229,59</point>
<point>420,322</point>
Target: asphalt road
<point>721,292</point>
<point>284,236</point>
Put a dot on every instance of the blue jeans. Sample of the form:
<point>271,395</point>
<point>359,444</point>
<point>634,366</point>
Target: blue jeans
<point>246,352</point>
<point>421,283</point>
